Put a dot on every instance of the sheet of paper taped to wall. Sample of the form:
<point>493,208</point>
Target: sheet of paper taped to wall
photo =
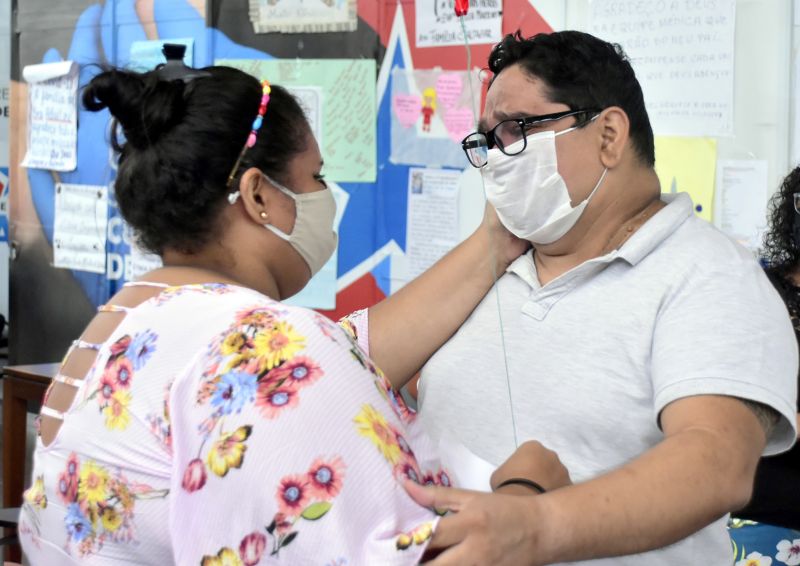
<point>466,469</point>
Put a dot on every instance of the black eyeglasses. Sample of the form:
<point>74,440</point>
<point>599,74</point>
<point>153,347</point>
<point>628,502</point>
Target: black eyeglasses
<point>506,133</point>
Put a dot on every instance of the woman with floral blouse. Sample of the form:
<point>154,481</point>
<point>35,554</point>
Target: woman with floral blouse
<point>198,420</point>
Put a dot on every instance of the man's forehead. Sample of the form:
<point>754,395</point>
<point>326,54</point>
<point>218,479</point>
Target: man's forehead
<point>515,106</point>
<point>515,94</point>
<point>515,82</point>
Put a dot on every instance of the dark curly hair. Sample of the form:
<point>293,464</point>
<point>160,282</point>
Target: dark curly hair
<point>583,72</point>
<point>781,252</point>
<point>181,141</point>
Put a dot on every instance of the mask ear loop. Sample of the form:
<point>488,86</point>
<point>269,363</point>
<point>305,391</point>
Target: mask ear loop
<point>495,276</point>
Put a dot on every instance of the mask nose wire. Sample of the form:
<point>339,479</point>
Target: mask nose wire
<point>492,247</point>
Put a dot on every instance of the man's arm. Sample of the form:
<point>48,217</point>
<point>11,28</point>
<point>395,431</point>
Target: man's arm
<point>767,416</point>
<point>702,469</point>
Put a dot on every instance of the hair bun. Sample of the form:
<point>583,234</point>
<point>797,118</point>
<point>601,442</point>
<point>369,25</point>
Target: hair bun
<point>143,105</point>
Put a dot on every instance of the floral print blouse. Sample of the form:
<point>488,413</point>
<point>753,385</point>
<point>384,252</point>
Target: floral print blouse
<point>218,427</point>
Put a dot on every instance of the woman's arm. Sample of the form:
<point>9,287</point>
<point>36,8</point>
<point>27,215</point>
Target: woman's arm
<point>408,327</point>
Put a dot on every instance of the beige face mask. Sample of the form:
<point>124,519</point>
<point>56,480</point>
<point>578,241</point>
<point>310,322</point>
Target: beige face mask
<point>312,236</point>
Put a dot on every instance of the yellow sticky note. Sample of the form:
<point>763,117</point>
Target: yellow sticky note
<point>688,165</point>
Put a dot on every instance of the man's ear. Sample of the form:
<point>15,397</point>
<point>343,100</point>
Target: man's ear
<point>614,133</point>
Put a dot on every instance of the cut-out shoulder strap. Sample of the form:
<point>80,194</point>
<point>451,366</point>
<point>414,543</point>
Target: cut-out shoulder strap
<point>112,308</point>
<point>147,284</point>
<point>65,396</point>
<point>47,392</point>
<point>67,380</point>
<point>52,413</point>
<point>86,345</point>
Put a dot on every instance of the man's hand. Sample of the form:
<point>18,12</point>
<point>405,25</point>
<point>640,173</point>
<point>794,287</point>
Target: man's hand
<point>534,462</point>
<point>483,529</point>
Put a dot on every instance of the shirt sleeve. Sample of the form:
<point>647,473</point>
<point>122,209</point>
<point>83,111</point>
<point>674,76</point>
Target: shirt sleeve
<point>728,333</point>
<point>789,295</point>
<point>287,450</point>
<point>357,326</point>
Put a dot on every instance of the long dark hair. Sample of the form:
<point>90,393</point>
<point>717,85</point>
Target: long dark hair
<point>781,252</point>
<point>181,141</point>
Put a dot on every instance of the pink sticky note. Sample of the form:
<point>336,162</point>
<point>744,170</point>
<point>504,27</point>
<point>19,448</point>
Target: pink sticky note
<point>407,108</point>
<point>458,123</point>
<point>448,89</point>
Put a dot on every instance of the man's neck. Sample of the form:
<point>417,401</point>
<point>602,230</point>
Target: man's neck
<point>601,228</point>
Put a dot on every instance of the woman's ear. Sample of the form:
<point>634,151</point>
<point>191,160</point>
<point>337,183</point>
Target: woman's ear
<point>614,133</point>
<point>254,192</point>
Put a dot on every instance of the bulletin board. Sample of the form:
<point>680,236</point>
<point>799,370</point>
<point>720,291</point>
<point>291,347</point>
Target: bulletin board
<point>422,94</point>
<point>51,305</point>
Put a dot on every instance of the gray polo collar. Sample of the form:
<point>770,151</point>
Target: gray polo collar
<point>645,240</point>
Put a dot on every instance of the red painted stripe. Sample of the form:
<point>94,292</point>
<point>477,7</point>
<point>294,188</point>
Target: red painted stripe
<point>363,293</point>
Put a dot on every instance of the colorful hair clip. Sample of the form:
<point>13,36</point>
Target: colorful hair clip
<point>253,136</point>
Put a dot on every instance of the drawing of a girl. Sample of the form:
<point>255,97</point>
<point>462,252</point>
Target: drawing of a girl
<point>428,107</point>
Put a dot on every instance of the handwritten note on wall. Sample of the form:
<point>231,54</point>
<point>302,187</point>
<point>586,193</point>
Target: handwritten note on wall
<point>302,16</point>
<point>688,165</point>
<point>437,24</point>
<point>432,217</point>
<point>682,53</point>
<point>52,116</point>
<point>741,205</point>
<point>310,99</point>
<point>348,115</point>
<point>79,235</point>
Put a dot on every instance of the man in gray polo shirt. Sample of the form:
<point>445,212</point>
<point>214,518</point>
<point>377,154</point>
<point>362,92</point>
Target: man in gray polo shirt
<point>638,342</point>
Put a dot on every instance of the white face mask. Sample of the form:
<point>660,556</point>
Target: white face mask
<point>529,194</point>
<point>312,236</point>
